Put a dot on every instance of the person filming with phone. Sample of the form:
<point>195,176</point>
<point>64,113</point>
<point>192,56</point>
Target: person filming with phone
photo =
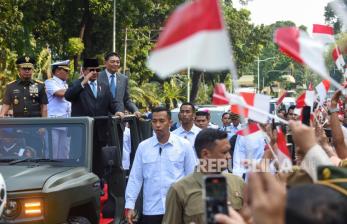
<point>184,201</point>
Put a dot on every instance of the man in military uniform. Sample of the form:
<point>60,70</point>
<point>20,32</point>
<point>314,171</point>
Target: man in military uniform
<point>58,106</point>
<point>26,96</point>
<point>184,201</point>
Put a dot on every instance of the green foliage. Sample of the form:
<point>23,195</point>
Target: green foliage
<point>58,29</point>
<point>75,46</point>
<point>332,19</point>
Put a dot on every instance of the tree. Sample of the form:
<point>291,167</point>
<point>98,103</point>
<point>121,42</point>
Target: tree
<point>74,48</point>
<point>332,19</point>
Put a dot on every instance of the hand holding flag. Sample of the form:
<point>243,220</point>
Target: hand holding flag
<point>298,45</point>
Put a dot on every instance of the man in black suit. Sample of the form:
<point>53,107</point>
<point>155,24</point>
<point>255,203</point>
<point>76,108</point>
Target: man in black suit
<point>118,84</point>
<point>91,97</point>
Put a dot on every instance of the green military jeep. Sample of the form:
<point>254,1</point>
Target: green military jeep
<point>46,164</point>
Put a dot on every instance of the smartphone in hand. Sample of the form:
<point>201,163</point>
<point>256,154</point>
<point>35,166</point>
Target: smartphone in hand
<point>306,114</point>
<point>214,196</point>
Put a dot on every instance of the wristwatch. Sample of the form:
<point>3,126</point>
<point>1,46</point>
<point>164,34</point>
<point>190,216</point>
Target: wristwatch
<point>333,110</point>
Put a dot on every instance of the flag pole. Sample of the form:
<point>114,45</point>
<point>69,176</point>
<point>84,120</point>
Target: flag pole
<point>188,84</point>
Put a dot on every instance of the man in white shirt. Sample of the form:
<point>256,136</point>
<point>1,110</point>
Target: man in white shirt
<point>203,119</point>
<point>235,123</point>
<point>58,106</point>
<point>159,162</point>
<point>187,130</point>
<point>248,147</point>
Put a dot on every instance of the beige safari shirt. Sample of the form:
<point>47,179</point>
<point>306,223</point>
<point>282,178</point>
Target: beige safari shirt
<point>184,203</point>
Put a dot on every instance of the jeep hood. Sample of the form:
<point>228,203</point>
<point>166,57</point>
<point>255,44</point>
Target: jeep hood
<point>21,178</point>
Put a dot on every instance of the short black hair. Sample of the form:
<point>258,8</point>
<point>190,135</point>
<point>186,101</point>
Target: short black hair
<point>202,113</point>
<point>160,109</point>
<point>292,107</point>
<point>225,113</point>
<point>188,104</point>
<point>111,54</point>
<point>206,139</point>
<point>315,204</point>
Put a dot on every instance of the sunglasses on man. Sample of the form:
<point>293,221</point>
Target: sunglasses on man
<point>94,69</point>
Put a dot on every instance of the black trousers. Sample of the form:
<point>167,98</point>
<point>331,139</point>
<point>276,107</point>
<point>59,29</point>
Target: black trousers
<point>151,219</point>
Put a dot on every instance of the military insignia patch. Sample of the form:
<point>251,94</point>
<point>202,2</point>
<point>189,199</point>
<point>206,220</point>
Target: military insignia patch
<point>27,59</point>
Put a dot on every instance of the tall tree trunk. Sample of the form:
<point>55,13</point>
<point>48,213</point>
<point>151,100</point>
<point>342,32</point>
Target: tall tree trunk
<point>85,23</point>
<point>196,77</point>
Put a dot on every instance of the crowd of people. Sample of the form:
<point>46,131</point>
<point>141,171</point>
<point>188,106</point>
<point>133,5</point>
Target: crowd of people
<point>170,166</point>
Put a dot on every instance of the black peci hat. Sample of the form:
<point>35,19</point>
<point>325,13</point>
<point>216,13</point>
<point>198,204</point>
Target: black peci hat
<point>90,63</point>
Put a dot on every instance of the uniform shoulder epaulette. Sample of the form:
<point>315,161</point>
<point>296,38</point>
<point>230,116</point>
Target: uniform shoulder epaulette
<point>39,81</point>
<point>11,82</point>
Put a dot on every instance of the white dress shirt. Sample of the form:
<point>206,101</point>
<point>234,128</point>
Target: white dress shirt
<point>189,135</point>
<point>57,106</point>
<point>158,171</point>
<point>247,148</point>
<point>126,148</point>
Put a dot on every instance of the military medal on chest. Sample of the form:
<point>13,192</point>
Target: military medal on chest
<point>15,101</point>
<point>33,90</point>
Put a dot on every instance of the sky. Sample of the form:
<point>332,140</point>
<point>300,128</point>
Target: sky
<point>301,12</point>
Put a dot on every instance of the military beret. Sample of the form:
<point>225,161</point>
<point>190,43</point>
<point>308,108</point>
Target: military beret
<point>333,177</point>
<point>61,64</point>
<point>343,163</point>
<point>90,63</point>
<point>25,62</point>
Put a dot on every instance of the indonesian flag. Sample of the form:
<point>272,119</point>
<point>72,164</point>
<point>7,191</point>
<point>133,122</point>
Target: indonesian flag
<point>219,96</point>
<point>322,89</point>
<point>307,98</point>
<point>279,101</point>
<point>193,37</point>
<point>323,33</point>
<point>251,130</point>
<point>338,59</point>
<point>302,48</point>
<point>259,101</point>
<point>283,155</point>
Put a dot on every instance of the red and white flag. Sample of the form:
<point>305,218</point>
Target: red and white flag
<point>279,101</point>
<point>193,37</point>
<point>251,130</point>
<point>259,101</point>
<point>283,155</point>
<point>338,59</point>
<point>322,89</point>
<point>220,95</point>
<point>323,33</point>
<point>307,98</point>
<point>298,45</point>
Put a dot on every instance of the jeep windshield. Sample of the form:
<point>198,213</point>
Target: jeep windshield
<point>58,141</point>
